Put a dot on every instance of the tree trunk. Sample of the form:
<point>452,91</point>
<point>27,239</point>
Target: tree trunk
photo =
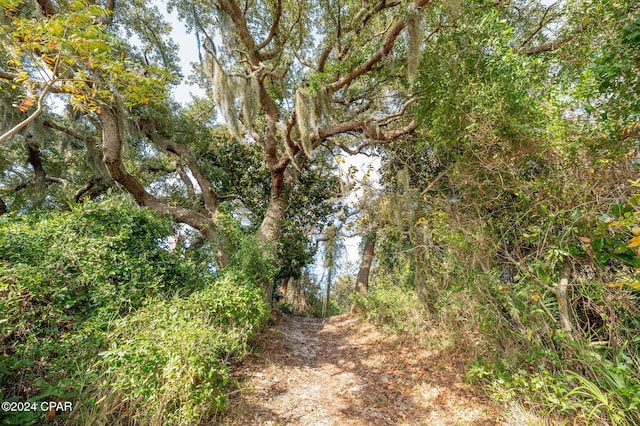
<point>362,282</point>
<point>3,207</point>
<point>284,286</point>
<point>272,222</point>
<point>112,159</point>
<point>269,230</point>
<point>36,163</point>
<point>327,300</point>
<point>563,301</point>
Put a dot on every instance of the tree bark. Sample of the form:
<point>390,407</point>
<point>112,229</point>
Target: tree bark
<point>112,159</point>
<point>3,207</point>
<point>36,163</point>
<point>281,182</point>
<point>327,300</point>
<point>563,300</point>
<point>272,221</point>
<point>362,282</point>
<point>284,286</point>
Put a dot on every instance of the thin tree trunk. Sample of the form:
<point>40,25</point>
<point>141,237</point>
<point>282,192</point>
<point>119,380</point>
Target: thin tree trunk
<point>563,300</point>
<point>284,286</point>
<point>327,300</point>
<point>3,207</point>
<point>362,282</point>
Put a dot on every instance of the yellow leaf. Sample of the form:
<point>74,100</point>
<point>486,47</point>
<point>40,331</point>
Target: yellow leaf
<point>634,284</point>
<point>144,101</point>
<point>24,105</point>
<point>635,242</point>
<point>48,59</point>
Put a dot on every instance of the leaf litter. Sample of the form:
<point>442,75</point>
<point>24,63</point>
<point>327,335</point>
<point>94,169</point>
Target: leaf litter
<point>342,371</point>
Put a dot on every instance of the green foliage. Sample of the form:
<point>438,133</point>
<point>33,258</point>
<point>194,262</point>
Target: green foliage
<point>74,42</point>
<point>511,179</point>
<point>97,279</point>
<point>393,306</point>
<point>253,257</point>
<point>608,84</point>
<point>175,371</point>
<point>606,391</point>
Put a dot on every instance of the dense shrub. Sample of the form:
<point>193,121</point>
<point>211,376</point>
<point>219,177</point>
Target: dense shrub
<point>95,311</point>
<point>393,307</point>
<point>175,369</point>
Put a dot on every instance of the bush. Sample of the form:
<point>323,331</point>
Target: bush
<point>175,369</point>
<point>393,307</point>
<point>97,280</point>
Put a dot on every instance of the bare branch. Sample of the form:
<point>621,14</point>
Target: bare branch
<point>274,26</point>
<point>40,105</point>
<point>54,179</point>
<point>366,128</point>
<point>434,182</point>
<point>226,196</point>
<point>81,137</point>
<point>381,53</point>
<point>540,26</point>
<point>191,193</point>
<point>210,197</point>
<point>348,150</point>
<point>392,117</point>
<point>86,188</point>
<point>549,46</point>
<point>323,58</point>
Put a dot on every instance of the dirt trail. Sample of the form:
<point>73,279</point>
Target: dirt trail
<point>341,371</point>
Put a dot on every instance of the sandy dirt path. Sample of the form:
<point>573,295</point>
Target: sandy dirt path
<point>342,371</point>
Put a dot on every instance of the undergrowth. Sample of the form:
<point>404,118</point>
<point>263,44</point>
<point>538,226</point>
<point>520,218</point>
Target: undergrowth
<point>537,381</point>
<point>96,312</point>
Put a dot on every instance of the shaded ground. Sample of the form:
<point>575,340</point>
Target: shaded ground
<point>341,371</point>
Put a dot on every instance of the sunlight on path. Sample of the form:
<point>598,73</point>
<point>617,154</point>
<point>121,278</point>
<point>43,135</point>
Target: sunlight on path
<point>341,371</point>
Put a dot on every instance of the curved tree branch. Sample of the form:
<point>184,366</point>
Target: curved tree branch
<point>378,55</point>
<point>210,197</point>
<point>549,46</point>
<point>40,106</point>
<point>274,26</point>
<point>112,158</point>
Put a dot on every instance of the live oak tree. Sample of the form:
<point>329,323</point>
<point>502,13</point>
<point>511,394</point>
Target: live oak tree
<point>294,87</point>
<point>66,51</point>
<point>290,90</point>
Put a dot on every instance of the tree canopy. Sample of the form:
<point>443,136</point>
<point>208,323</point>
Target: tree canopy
<point>507,135</point>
